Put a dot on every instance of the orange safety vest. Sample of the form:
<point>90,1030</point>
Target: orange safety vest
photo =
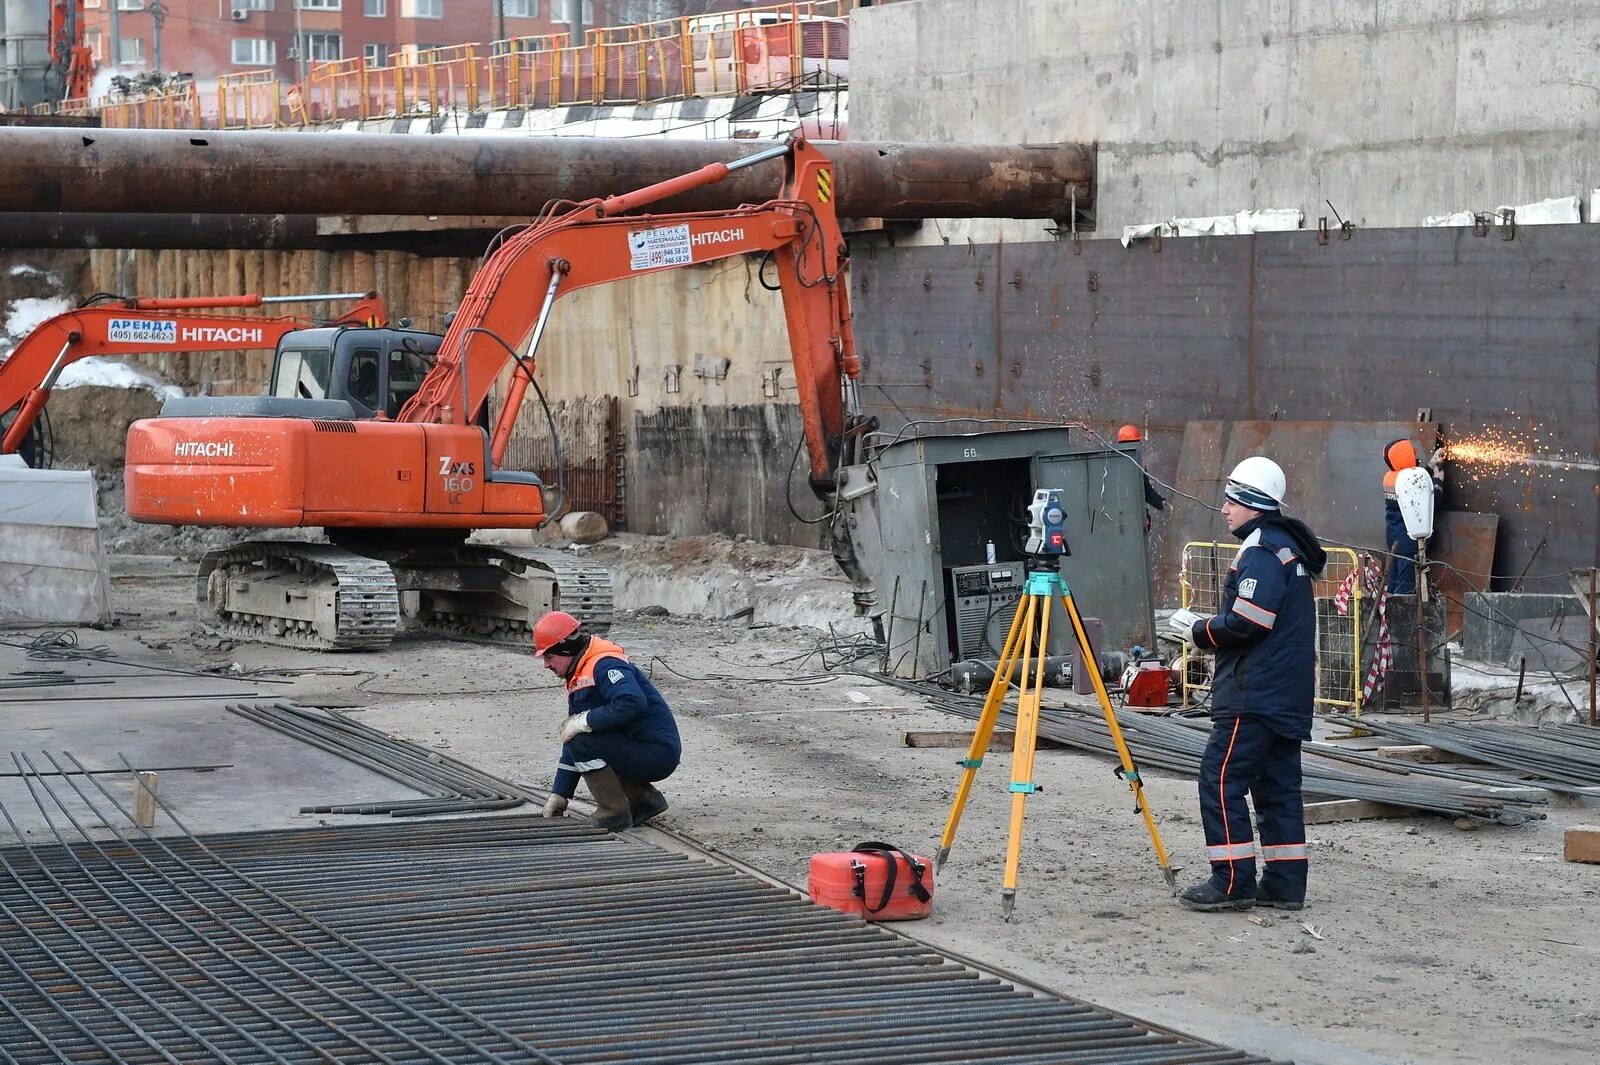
<point>582,675</point>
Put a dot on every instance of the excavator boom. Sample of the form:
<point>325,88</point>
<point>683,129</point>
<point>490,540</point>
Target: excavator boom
<point>144,326</point>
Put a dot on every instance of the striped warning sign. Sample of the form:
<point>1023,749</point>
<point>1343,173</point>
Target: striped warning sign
<point>824,185</point>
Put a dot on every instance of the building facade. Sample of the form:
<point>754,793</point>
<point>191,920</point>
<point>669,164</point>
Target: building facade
<point>207,38</point>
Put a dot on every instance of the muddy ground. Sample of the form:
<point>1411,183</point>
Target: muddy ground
<point>1432,944</point>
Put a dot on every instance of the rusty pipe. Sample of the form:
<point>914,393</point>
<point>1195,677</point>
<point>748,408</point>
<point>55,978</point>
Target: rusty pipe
<point>143,171</point>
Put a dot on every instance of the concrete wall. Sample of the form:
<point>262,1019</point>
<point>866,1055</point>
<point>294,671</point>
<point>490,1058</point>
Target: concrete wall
<point>1392,109</point>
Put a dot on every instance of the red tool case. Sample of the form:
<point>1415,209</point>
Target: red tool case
<point>877,881</point>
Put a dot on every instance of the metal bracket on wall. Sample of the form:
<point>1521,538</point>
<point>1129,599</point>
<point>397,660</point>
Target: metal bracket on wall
<point>1155,241</point>
<point>673,374</point>
<point>1508,224</point>
<point>1094,281</point>
<point>633,382</point>
<point>1322,231</point>
<point>770,382</point>
<point>1480,224</point>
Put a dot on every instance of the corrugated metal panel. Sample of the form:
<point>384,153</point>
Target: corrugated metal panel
<point>591,454</point>
<point>1489,334</point>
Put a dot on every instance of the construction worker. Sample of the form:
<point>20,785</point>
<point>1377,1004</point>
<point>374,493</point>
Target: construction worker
<point>1402,455</point>
<point>619,733</point>
<point>1261,699</point>
<point>1154,500</point>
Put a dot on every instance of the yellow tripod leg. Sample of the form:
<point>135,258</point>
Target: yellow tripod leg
<point>1130,772</point>
<point>1022,784</point>
<point>982,734</point>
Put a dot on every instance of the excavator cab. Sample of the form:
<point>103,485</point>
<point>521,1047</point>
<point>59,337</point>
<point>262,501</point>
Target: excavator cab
<point>375,370</point>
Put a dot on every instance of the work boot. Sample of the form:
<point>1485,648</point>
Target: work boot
<point>1205,897</point>
<point>644,801</point>
<point>611,801</point>
<point>1266,897</point>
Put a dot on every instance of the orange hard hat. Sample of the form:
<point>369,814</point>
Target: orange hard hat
<point>551,629</point>
<point>1400,455</point>
<point>1129,434</point>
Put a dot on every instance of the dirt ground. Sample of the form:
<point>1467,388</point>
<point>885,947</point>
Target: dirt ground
<point>1431,944</point>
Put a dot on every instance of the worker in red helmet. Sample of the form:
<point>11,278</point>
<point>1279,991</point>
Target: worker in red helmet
<point>619,734</point>
<point>1130,434</point>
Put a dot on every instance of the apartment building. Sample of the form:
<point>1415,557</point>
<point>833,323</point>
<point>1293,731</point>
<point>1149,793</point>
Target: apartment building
<point>211,37</point>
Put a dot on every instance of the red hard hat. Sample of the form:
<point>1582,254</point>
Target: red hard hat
<point>1128,434</point>
<point>551,629</point>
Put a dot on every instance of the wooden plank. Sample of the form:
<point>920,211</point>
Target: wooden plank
<point>1322,813</point>
<point>1421,753</point>
<point>144,802</point>
<point>1582,843</point>
<point>999,740</point>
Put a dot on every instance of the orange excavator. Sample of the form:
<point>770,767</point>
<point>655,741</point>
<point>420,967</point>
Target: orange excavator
<point>398,497</point>
<point>116,326</point>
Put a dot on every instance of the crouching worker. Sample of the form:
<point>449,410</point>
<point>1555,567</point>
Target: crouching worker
<point>619,734</point>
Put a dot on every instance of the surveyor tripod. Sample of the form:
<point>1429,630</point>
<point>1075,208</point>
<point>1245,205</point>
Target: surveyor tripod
<point>1044,587</point>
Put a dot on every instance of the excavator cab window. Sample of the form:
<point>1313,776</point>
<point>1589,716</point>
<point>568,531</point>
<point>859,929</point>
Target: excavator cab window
<point>302,374</point>
<point>363,379</point>
<point>406,370</point>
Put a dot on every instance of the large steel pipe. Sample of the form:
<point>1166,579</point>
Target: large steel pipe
<point>267,232</point>
<point>128,170</point>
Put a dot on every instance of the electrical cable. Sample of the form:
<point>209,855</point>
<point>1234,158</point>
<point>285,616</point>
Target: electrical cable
<point>555,437</point>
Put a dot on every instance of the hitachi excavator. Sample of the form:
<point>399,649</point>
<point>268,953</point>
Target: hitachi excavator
<point>398,497</point>
<point>355,360</point>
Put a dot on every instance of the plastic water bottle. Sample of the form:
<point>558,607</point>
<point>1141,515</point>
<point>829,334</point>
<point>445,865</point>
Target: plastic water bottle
<point>988,552</point>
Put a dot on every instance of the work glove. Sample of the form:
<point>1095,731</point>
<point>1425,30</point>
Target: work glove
<point>1182,622</point>
<point>573,725</point>
<point>1436,464</point>
<point>555,806</point>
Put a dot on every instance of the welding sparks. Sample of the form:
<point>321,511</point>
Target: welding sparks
<point>1499,450</point>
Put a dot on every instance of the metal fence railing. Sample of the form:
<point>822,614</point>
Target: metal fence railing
<point>1340,601</point>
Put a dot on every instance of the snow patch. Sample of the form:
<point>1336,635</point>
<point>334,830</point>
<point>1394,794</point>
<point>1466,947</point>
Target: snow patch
<point>26,314</point>
<point>109,373</point>
<point>23,269</point>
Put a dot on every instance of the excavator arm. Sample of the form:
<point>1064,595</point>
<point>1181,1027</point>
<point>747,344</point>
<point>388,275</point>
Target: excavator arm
<point>597,242</point>
<point>143,327</point>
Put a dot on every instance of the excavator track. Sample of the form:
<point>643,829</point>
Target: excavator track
<point>312,596</point>
<point>493,593</point>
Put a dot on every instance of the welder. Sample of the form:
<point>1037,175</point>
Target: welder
<point>619,735</point>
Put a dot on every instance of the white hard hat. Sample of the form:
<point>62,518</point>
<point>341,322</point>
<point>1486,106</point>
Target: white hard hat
<point>1257,483</point>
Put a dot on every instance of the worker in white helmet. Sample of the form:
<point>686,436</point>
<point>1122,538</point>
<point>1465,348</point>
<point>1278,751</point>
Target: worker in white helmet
<point>1264,638</point>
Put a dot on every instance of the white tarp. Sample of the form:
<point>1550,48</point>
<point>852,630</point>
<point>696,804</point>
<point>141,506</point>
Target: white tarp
<point>1556,211</point>
<point>52,568</point>
<point>1265,220</point>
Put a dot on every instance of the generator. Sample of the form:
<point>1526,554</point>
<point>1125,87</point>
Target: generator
<point>981,603</point>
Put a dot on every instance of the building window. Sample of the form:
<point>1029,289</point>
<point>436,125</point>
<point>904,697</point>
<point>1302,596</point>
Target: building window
<point>375,8</point>
<point>130,5</point>
<point>422,8</point>
<point>319,5</point>
<point>521,8</point>
<point>96,45</point>
<point>376,55</point>
<point>132,51</point>
<point>93,5</point>
<point>251,5</point>
<point>321,47</point>
<point>254,52</point>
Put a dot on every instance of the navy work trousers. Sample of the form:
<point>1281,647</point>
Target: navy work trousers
<point>1244,755</point>
<point>588,751</point>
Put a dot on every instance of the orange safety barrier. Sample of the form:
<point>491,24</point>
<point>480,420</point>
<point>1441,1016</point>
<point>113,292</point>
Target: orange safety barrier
<point>754,50</point>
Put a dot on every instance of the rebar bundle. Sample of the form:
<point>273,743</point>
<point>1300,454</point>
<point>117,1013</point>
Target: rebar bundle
<point>477,940</point>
